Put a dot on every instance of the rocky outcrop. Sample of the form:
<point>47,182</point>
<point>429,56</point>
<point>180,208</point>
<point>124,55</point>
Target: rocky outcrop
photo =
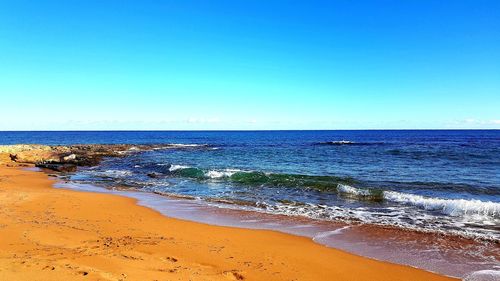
<point>34,156</point>
<point>67,158</point>
<point>63,168</point>
<point>23,147</point>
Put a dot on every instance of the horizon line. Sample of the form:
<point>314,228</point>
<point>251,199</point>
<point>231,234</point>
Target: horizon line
<point>256,130</point>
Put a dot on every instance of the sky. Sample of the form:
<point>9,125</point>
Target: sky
<point>249,65</point>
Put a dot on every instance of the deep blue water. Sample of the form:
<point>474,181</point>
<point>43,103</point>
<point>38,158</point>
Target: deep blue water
<point>445,181</point>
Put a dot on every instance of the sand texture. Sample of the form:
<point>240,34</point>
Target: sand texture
<point>54,234</point>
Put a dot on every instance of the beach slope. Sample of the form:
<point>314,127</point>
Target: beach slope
<point>56,234</point>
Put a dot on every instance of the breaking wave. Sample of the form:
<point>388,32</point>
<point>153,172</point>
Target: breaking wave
<point>213,174</point>
<point>452,207</point>
<point>483,275</point>
<point>369,194</point>
<point>256,178</point>
<point>385,207</point>
<point>344,187</point>
<point>172,168</point>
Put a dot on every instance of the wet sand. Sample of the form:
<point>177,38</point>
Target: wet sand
<point>58,234</point>
<point>444,254</point>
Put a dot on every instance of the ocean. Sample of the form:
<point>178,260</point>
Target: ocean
<point>437,182</point>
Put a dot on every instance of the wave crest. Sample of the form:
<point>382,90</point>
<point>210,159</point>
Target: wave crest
<point>452,207</point>
<point>483,275</point>
<point>256,178</point>
<point>359,193</point>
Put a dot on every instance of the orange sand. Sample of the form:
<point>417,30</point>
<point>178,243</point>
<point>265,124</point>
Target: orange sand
<point>55,234</point>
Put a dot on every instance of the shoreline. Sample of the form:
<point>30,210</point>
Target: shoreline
<point>437,253</point>
<point>56,234</point>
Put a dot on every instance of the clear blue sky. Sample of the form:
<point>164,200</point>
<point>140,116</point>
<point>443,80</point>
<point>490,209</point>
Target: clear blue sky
<point>249,64</point>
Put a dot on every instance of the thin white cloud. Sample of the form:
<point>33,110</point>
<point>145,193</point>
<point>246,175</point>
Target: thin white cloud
<point>474,122</point>
<point>195,120</point>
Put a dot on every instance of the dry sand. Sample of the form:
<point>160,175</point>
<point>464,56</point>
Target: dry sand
<point>55,234</point>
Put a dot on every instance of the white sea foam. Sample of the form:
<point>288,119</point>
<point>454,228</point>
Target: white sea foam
<point>452,207</point>
<point>177,167</point>
<point>309,210</point>
<point>186,145</point>
<point>214,174</point>
<point>181,145</point>
<point>341,142</point>
<point>344,188</point>
<point>390,216</point>
<point>326,234</point>
<point>483,275</point>
<point>117,173</point>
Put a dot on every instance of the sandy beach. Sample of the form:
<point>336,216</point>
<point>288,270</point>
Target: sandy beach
<point>250,140</point>
<point>57,234</point>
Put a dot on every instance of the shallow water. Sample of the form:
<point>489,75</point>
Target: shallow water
<point>452,256</point>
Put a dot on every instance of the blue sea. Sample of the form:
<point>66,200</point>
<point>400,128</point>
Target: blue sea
<point>435,180</point>
<point>429,181</point>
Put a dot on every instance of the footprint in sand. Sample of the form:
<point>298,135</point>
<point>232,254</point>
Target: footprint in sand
<point>48,267</point>
<point>170,259</point>
<point>234,275</point>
